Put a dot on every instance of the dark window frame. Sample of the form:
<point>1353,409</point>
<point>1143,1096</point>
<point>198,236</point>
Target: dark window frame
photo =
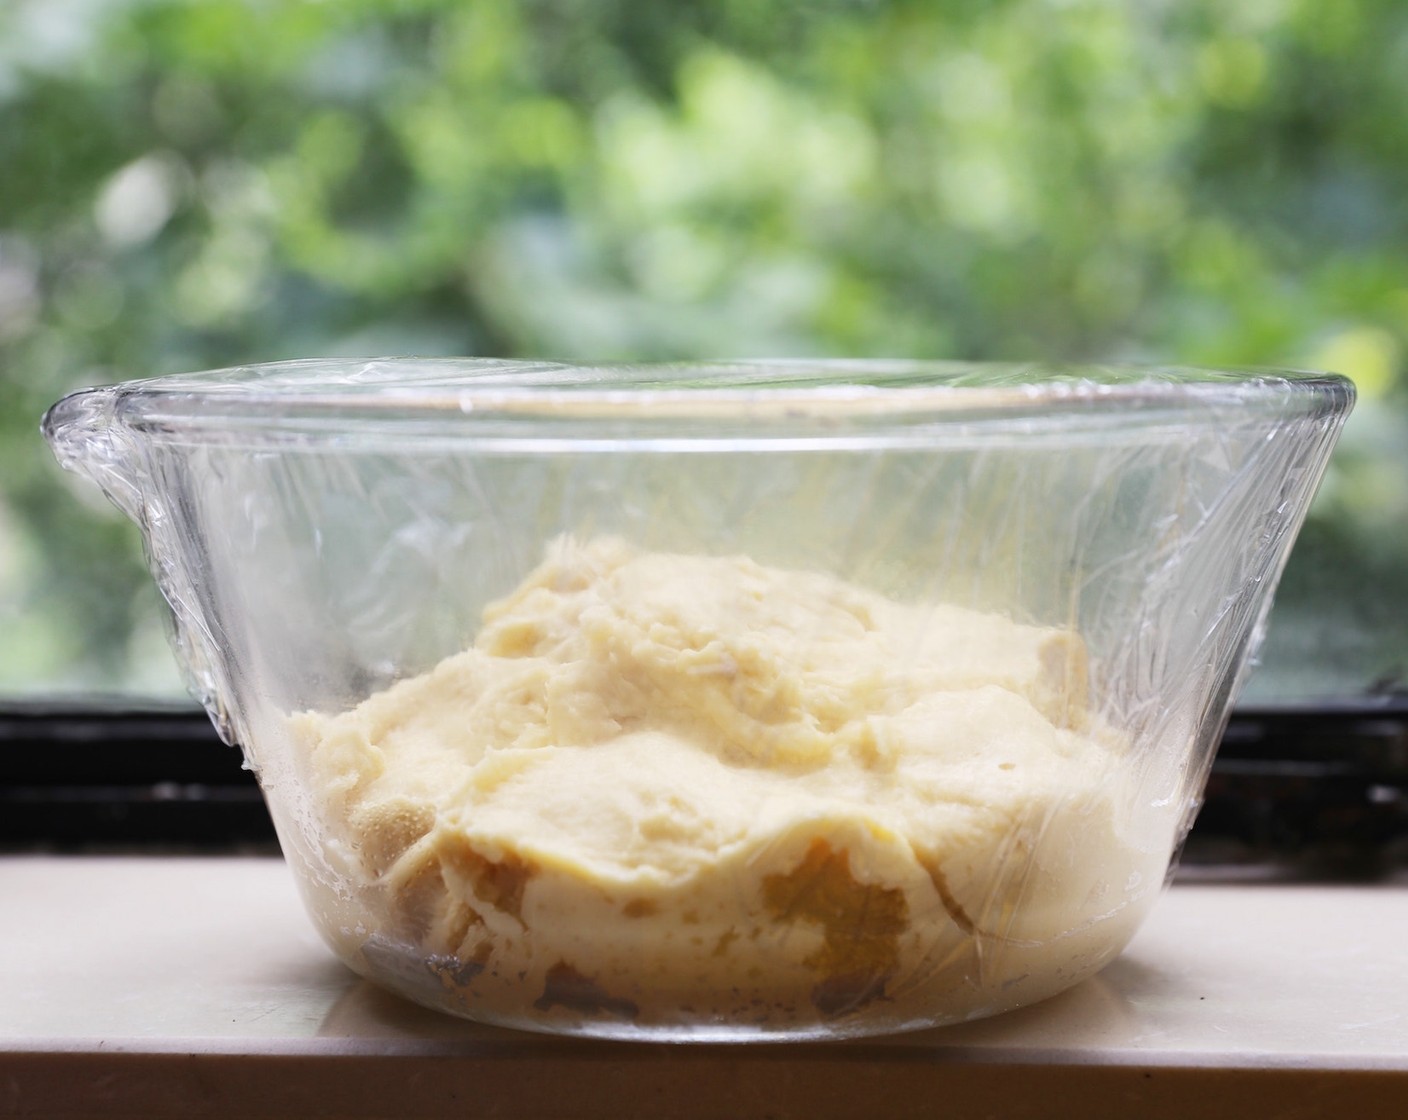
<point>1310,792</point>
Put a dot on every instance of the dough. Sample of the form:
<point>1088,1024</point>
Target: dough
<point>674,790</point>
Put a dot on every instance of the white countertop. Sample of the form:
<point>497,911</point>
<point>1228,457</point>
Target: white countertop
<point>181,986</point>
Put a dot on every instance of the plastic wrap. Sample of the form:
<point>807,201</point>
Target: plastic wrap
<point>766,700</point>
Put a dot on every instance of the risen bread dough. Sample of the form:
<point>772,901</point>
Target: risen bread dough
<point>666,789</point>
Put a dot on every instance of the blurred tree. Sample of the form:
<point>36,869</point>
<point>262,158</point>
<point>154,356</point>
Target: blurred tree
<point>194,185</point>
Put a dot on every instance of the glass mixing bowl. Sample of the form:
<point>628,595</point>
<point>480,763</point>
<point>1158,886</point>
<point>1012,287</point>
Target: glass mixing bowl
<point>718,701</point>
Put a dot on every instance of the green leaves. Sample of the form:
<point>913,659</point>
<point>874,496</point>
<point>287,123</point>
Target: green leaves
<point>185,185</point>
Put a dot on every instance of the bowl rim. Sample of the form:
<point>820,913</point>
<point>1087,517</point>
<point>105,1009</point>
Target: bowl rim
<point>788,388</point>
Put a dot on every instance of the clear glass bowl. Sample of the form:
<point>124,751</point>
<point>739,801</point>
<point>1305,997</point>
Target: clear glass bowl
<point>721,701</point>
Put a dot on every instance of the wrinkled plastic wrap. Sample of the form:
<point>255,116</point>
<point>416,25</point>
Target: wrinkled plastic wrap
<point>753,700</point>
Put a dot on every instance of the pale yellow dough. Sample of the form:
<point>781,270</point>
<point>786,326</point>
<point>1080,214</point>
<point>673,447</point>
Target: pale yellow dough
<point>668,789</point>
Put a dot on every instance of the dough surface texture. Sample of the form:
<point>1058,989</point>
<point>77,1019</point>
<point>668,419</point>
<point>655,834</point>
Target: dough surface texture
<point>672,789</point>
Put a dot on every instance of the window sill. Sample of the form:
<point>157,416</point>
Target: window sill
<point>194,986</point>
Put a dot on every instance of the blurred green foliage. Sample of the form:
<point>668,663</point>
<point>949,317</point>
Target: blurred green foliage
<point>186,185</point>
